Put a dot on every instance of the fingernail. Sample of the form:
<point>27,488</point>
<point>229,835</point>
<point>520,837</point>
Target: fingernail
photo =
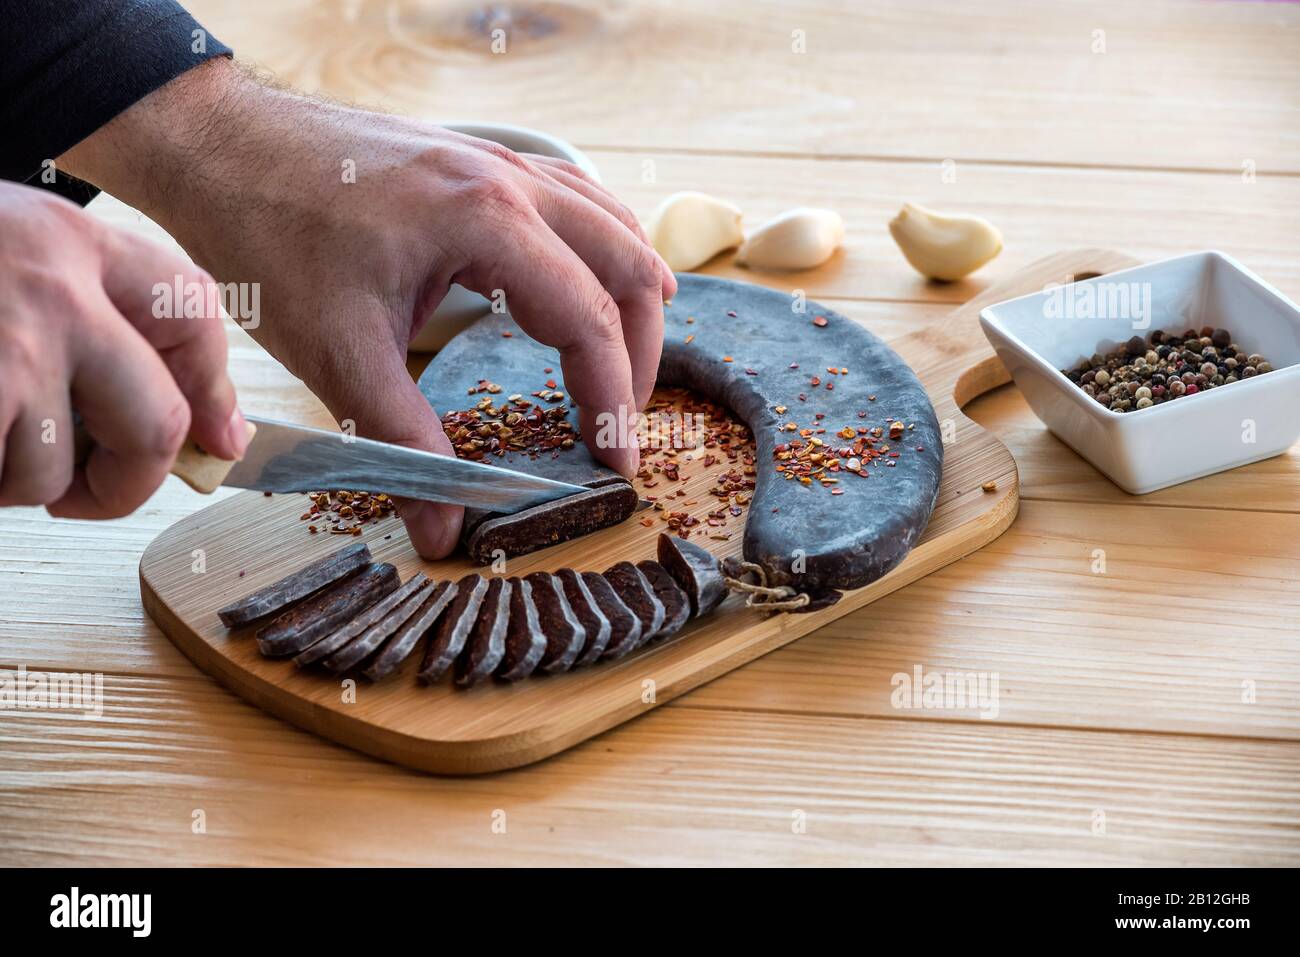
<point>237,431</point>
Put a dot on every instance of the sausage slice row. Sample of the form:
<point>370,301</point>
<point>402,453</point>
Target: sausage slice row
<point>347,613</point>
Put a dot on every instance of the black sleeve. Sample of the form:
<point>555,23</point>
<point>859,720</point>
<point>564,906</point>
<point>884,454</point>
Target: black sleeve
<point>67,67</point>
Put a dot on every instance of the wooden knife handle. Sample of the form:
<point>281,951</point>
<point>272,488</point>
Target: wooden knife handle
<point>193,466</point>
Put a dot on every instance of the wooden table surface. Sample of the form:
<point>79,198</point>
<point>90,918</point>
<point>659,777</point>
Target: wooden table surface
<point>1149,713</point>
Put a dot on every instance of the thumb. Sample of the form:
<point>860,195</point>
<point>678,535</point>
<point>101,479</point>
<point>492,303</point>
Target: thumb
<point>377,393</point>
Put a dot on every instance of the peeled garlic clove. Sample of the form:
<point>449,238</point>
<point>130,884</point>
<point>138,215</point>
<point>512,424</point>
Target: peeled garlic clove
<point>943,246</point>
<point>797,239</point>
<point>688,229</point>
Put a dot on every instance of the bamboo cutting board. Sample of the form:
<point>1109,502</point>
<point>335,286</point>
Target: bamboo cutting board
<point>249,540</point>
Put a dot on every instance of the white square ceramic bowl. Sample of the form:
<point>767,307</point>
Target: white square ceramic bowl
<point>1037,335</point>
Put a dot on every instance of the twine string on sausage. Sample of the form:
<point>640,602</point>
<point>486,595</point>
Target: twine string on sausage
<point>762,596</point>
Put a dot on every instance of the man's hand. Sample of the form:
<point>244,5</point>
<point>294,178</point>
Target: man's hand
<point>78,331</point>
<point>355,224</point>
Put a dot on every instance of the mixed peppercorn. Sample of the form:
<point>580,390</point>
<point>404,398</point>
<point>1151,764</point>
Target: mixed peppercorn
<point>1163,367</point>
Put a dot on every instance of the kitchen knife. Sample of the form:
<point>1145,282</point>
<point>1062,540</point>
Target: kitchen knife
<point>293,458</point>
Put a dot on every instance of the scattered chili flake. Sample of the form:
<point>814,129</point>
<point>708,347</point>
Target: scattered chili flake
<point>731,313</point>
<point>819,321</point>
<point>990,486</point>
<point>550,383</point>
<point>727,359</point>
<point>347,510</point>
<point>751,372</point>
<point>690,338</point>
<point>507,334</point>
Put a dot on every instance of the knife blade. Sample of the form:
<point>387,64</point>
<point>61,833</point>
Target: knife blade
<point>292,458</point>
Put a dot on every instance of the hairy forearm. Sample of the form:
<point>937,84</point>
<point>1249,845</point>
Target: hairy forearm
<point>153,154</point>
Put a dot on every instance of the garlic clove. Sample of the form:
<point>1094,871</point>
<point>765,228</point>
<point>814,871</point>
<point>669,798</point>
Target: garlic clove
<point>688,229</point>
<point>797,239</point>
<point>943,246</point>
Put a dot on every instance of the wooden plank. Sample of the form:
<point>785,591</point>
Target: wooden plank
<point>1179,85</point>
<point>680,786</point>
<point>1184,622</point>
<point>1040,211</point>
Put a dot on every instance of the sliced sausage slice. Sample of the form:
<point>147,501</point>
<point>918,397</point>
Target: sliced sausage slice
<point>639,595</point>
<point>624,625</point>
<point>565,635</point>
<point>448,636</point>
<point>313,619</point>
<point>279,595</point>
<point>403,643</point>
<point>677,606</point>
<point>486,644</point>
<point>589,615</point>
<point>363,646</point>
<point>696,570</point>
<point>525,643</point>
<point>341,636</point>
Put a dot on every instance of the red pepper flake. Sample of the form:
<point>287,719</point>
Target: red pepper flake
<point>819,321</point>
<point>647,522</point>
<point>837,491</point>
<point>548,370</point>
<point>794,365</point>
<point>550,383</point>
<point>815,381</point>
<point>507,334</point>
<point>727,359</point>
<point>731,313</point>
<point>830,386</point>
<point>751,372</point>
<point>690,338</point>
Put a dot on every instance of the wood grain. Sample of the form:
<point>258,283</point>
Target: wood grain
<point>683,785</point>
<point>1200,87</point>
<point>965,80</point>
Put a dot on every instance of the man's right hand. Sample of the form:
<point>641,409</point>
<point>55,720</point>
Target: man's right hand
<point>78,331</point>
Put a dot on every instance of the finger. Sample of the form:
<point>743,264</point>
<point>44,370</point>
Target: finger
<point>575,178</point>
<point>177,308</point>
<point>397,412</point>
<point>626,268</point>
<point>38,453</point>
<point>555,299</point>
<point>134,412</point>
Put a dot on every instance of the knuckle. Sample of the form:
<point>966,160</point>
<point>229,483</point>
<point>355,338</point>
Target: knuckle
<point>21,353</point>
<point>644,268</point>
<point>495,193</point>
<point>606,323</point>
